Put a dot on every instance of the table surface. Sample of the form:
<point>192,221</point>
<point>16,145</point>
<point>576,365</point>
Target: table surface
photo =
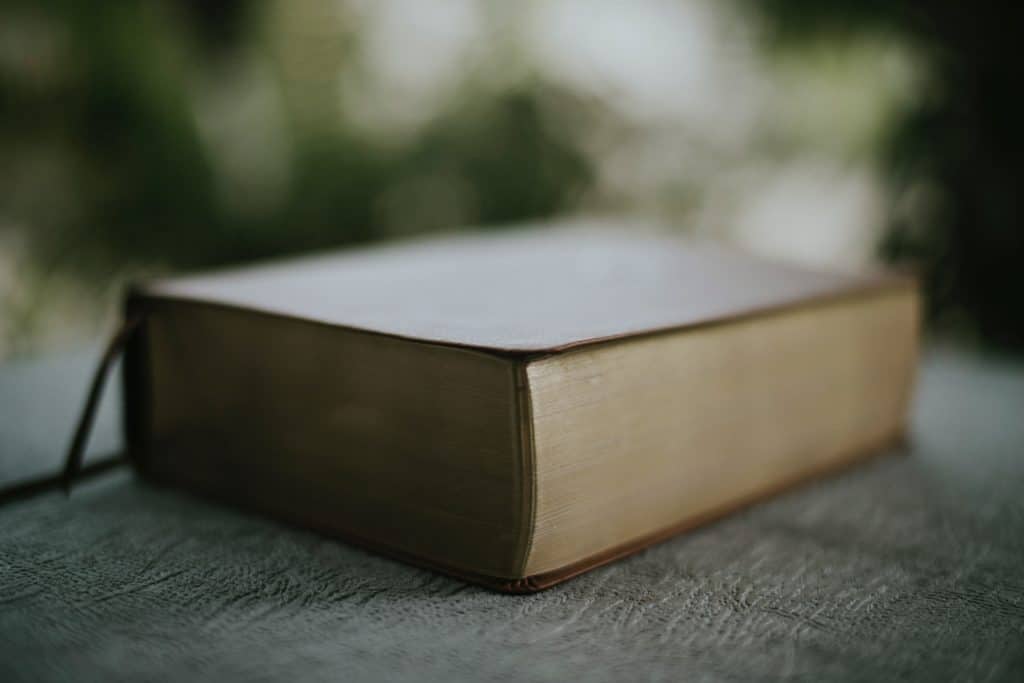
<point>908,567</point>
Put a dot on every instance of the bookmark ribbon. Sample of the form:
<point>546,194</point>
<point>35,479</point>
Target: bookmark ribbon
<point>76,451</point>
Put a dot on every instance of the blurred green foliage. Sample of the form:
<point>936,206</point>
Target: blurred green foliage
<point>117,110</point>
<point>956,156</point>
<point>104,158</point>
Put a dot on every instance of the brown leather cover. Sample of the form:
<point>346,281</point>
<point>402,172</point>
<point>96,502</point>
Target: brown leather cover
<point>532,291</point>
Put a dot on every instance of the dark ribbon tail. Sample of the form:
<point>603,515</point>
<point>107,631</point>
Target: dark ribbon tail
<point>76,452</point>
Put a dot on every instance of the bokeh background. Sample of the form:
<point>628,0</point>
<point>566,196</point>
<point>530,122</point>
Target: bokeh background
<point>143,137</point>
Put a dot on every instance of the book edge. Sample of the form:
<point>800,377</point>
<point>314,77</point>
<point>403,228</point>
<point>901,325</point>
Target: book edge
<point>137,420</point>
<point>527,483</point>
<point>894,444</point>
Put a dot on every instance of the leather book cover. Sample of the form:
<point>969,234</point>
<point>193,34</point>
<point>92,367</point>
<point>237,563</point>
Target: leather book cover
<point>523,292</point>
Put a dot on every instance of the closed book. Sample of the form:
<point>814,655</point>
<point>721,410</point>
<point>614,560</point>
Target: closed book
<point>518,407</point>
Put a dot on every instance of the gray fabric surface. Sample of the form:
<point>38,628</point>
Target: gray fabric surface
<point>904,568</point>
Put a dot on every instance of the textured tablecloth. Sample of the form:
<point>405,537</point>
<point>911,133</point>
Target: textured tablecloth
<point>903,568</point>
